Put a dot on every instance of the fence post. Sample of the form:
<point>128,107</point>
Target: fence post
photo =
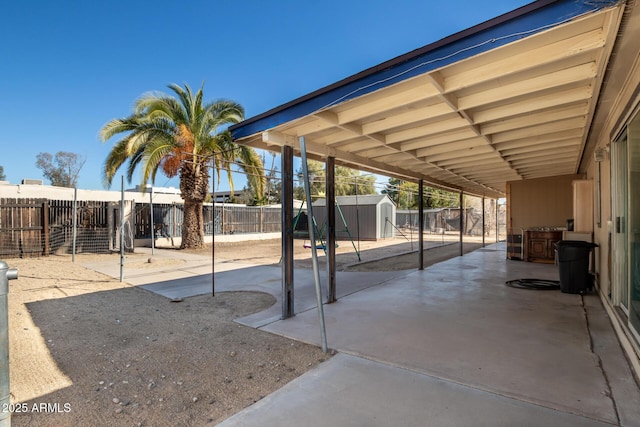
<point>174,226</point>
<point>152,224</point>
<point>46,236</point>
<point>74,232</point>
<point>6,274</point>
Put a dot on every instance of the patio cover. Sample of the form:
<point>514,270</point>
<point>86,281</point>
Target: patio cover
<point>512,98</point>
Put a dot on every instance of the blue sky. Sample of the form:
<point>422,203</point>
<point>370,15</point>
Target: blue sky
<point>70,66</point>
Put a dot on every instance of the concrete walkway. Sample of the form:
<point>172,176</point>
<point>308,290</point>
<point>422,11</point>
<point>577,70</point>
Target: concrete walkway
<point>447,346</point>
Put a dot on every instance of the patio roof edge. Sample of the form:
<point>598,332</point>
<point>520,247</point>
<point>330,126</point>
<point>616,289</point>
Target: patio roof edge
<point>519,23</point>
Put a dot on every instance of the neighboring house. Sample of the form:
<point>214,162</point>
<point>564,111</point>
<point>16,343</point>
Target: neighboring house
<point>540,105</point>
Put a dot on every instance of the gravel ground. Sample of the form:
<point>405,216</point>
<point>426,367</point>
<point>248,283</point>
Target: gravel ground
<point>86,350</point>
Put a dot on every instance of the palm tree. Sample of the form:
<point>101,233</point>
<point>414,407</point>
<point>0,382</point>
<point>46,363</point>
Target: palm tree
<point>181,136</point>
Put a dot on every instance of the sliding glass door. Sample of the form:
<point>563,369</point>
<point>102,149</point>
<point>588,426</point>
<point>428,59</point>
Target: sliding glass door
<point>619,197</point>
<point>625,206</point>
<point>633,147</point>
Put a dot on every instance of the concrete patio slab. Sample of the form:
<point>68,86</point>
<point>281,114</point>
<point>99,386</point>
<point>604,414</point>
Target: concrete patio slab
<point>449,345</point>
<point>352,391</point>
<point>459,322</point>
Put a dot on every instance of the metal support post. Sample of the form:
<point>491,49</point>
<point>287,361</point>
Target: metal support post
<point>497,223</point>
<point>122,229</point>
<point>461,222</point>
<point>75,224</point>
<point>331,228</point>
<point>421,225</point>
<point>153,237</point>
<point>287,232</point>
<point>483,223</point>
<point>213,229</point>
<point>6,274</point>
<point>312,237</point>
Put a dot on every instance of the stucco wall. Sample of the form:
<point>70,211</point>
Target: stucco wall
<point>542,202</point>
<point>619,98</point>
<point>62,193</point>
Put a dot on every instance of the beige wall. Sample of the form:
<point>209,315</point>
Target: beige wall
<point>28,191</point>
<point>601,232</point>
<point>542,202</point>
<point>616,103</point>
<point>618,99</point>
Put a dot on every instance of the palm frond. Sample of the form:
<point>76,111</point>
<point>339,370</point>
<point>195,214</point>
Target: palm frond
<point>117,126</point>
<point>153,155</point>
<point>169,130</point>
<point>116,158</point>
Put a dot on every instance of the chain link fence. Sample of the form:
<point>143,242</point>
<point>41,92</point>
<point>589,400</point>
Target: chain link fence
<point>223,219</point>
<point>41,227</point>
<point>447,220</point>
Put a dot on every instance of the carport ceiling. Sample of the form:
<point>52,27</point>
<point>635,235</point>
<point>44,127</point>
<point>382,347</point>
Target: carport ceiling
<point>521,110</point>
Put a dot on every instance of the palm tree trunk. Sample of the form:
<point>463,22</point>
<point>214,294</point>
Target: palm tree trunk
<point>192,225</point>
<point>194,186</point>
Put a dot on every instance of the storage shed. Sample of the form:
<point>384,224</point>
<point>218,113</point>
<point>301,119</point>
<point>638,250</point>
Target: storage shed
<point>370,217</point>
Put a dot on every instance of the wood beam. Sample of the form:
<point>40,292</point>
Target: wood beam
<point>432,128</point>
<point>483,149</point>
<point>548,116</point>
<point>439,139</point>
<point>552,80</point>
<point>502,65</point>
<point>547,128</point>
<point>567,143</point>
<point>392,121</point>
<point>536,139</point>
<point>410,91</point>
<point>542,102</point>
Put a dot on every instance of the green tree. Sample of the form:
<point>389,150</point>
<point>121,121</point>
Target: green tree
<point>181,136</point>
<point>348,182</point>
<point>63,169</point>
<point>273,187</point>
<point>2,175</point>
<point>316,181</point>
<point>405,195</point>
<point>436,198</point>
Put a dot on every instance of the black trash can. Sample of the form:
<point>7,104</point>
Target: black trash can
<point>573,262</point>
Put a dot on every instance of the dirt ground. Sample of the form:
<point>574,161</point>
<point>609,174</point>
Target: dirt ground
<point>87,350</point>
<point>383,255</point>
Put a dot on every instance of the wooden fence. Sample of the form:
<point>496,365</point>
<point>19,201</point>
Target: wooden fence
<point>37,227</point>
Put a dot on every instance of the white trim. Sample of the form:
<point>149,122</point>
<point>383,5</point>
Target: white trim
<point>629,345</point>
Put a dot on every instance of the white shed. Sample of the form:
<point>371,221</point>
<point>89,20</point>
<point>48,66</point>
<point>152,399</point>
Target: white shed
<point>369,217</point>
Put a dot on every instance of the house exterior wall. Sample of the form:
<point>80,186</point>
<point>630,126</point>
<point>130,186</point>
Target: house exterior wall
<point>63,193</point>
<point>601,230</point>
<point>542,202</point>
<point>619,99</point>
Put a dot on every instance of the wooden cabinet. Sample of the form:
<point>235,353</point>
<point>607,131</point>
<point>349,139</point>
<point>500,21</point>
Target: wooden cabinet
<point>540,245</point>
